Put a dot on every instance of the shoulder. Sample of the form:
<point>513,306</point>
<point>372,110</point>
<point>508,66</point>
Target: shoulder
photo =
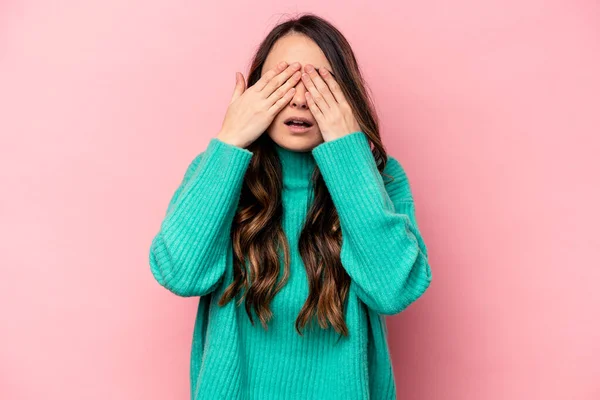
<point>196,160</point>
<point>394,167</point>
<point>396,179</point>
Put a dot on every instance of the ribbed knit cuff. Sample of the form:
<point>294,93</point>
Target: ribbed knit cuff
<point>228,155</point>
<point>223,166</point>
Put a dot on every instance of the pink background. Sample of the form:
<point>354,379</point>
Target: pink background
<point>492,107</point>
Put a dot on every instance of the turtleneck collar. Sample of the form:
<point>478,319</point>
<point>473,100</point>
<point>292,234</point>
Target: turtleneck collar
<point>297,167</point>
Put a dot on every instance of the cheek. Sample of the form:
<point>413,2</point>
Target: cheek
<point>276,126</point>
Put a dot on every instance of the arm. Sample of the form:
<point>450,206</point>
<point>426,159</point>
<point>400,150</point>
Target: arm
<point>382,248</point>
<point>189,253</point>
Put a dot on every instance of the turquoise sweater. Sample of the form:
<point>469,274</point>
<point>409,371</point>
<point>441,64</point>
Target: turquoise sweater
<point>382,251</point>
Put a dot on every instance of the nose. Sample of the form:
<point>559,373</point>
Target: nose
<point>299,98</point>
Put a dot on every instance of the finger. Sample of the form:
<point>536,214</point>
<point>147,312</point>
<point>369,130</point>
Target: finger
<point>321,86</point>
<point>240,86</point>
<point>314,108</point>
<point>279,104</point>
<point>315,94</point>
<point>334,87</point>
<point>270,74</point>
<point>282,90</point>
<point>279,80</point>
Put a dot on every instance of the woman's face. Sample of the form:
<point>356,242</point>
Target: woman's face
<point>291,48</point>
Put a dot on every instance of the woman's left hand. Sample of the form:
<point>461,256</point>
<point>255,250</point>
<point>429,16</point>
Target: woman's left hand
<point>328,104</point>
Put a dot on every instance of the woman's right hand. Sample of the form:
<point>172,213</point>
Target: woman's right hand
<point>251,111</point>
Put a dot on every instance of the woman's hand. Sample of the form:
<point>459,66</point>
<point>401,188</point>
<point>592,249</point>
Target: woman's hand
<point>251,111</point>
<point>328,104</point>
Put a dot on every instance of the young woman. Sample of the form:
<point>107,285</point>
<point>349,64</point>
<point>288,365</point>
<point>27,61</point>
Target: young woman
<point>289,217</point>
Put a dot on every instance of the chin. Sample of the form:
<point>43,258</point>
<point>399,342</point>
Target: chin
<point>304,142</point>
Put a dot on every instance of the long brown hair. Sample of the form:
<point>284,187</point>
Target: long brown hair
<point>256,232</point>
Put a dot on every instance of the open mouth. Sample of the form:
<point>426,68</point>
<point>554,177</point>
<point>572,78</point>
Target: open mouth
<point>298,123</point>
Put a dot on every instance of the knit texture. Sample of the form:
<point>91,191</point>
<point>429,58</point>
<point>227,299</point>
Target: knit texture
<point>382,250</point>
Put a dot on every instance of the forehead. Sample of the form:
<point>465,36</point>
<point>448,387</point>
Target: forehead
<point>295,47</point>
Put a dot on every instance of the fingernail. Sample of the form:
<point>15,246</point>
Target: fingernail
<point>309,68</point>
<point>282,64</point>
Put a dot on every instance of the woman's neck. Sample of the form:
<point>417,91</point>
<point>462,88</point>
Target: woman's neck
<point>297,167</point>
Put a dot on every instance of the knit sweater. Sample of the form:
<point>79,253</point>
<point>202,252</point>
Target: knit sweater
<point>382,251</point>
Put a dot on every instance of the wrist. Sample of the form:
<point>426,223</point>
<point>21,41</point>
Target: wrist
<point>230,139</point>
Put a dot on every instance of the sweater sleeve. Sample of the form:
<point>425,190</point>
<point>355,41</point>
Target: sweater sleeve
<point>382,249</point>
<point>189,253</point>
